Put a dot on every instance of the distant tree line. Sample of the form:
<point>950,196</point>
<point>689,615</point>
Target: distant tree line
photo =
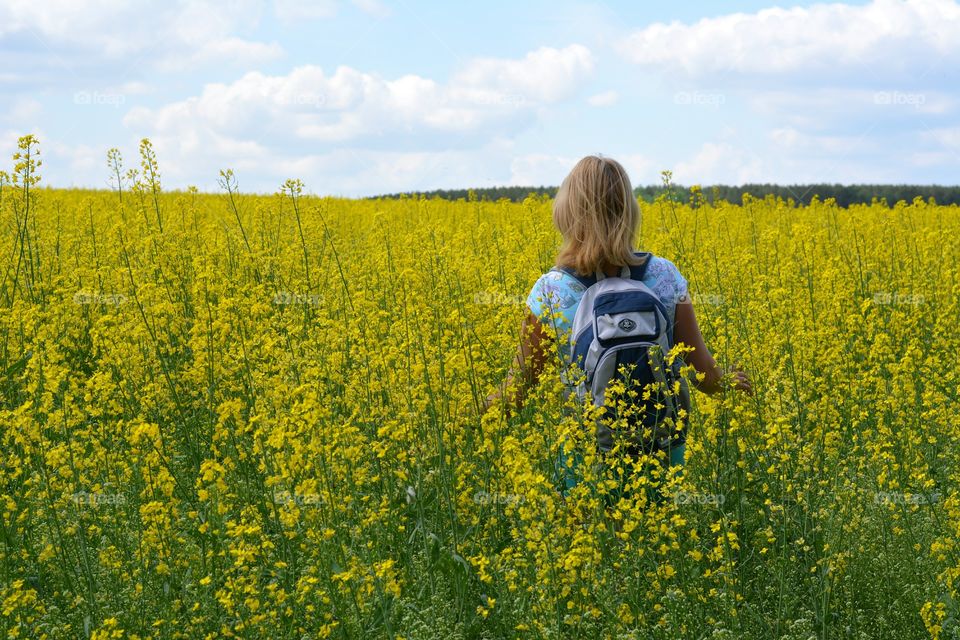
<point>844,194</point>
<point>517,194</point>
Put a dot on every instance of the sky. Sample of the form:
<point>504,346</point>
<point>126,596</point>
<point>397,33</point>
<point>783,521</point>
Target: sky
<point>364,97</point>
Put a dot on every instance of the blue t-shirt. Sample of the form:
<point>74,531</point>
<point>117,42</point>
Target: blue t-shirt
<point>559,292</point>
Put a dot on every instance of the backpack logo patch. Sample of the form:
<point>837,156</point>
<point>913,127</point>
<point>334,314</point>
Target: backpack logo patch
<point>627,325</point>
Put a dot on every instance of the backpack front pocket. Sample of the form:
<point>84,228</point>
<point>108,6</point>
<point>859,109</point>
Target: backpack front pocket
<point>630,316</point>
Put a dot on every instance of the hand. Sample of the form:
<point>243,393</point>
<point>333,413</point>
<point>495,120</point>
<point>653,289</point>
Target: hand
<point>490,401</point>
<point>738,379</point>
<point>487,403</point>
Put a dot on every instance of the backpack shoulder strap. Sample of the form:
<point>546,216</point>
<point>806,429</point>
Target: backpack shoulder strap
<point>586,281</point>
<point>639,271</point>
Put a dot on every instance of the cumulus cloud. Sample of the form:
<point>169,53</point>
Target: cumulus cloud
<point>293,11</point>
<point>790,156</point>
<point>23,112</point>
<point>73,164</point>
<point>547,74</point>
<point>720,163</point>
<point>549,169</point>
<point>310,105</point>
<point>604,99</point>
<point>893,37</point>
<point>822,92</point>
<point>789,139</point>
<point>76,34</point>
<point>641,169</point>
<point>395,126</point>
<point>832,91</point>
<point>373,8</point>
<point>537,169</point>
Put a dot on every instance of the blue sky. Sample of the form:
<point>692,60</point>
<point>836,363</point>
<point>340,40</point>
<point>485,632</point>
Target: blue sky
<point>372,96</point>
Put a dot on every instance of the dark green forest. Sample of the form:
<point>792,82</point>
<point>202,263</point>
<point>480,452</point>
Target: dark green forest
<point>844,195</point>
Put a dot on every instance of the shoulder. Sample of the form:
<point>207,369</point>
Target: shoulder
<point>558,289</point>
<point>661,267</point>
<point>557,280</point>
<point>667,278</point>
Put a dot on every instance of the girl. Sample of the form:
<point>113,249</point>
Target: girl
<point>598,216</point>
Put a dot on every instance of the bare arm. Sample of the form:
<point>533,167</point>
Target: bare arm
<point>527,366</point>
<point>687,330</point>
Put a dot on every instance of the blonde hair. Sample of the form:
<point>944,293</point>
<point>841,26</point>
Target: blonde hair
<point>597,214</point>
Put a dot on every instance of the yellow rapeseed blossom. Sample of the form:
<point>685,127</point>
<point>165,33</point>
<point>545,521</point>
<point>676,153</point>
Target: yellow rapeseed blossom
<point>230,415</point>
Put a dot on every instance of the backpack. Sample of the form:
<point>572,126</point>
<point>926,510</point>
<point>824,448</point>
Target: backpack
<point>622,322</point>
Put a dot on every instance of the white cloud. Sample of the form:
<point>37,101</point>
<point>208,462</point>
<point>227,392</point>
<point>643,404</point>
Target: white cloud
<point>640,168</point>
<point>373,8</point>
<point>604,99</point>
<point>538,169</point>
<point>830,84</point>
<point>8,146</point>
<point>547,74</point>
<point>720,163</point>
<point>64,164</point>
<point>341,172</point>
<point>71,34</point>
<point>73,164</point>
<point>388,172</point>
<point>294,11</point>
<point>367,133</point>
<point>789,156</point>
<point>790,139</point>
<point>80,159</point>
<point>23,112</point>
<point>310,105</point>
<point>236,50</point>
<point>800,86</point>
<point>890,38</point>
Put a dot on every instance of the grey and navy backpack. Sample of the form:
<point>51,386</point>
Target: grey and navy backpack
<point>621,322</point>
